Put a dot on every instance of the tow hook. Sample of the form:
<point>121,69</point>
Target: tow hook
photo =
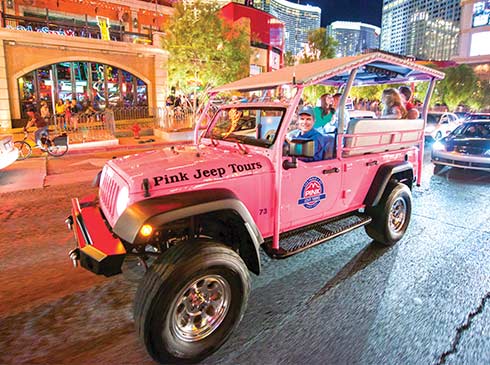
<point>74,256</point>
<point>69,222</point>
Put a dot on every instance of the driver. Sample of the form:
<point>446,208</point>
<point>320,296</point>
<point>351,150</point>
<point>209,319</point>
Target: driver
<point>305,130</point>
<point>40,123</point>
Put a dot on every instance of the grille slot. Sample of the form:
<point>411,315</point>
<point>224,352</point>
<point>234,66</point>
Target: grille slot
<point>108,194</point>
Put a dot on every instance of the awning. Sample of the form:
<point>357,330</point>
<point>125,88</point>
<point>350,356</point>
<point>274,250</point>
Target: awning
<point>373,69</point>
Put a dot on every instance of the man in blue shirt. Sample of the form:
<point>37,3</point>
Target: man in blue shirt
<point>305,130</point>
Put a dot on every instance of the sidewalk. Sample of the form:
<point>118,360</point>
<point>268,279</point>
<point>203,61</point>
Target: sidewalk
<point>32,173</point>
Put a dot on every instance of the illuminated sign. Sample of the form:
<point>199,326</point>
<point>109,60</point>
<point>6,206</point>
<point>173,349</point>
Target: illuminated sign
<point>29,28</point>
<point>481,14</point>
<point>104,26</point>
<point>479,44</point>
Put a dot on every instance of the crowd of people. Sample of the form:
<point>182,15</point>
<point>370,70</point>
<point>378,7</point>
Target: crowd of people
<point>68,112</point>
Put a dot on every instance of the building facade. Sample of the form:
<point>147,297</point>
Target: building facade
<point>354,37</point>
<point>298,20</point>
<point>267,36</point>
<point>426,29</point>
<point>474,46</point>
<point>98,52</point>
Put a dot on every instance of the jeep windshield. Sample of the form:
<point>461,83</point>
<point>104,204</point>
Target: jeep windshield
<point>252,125</point>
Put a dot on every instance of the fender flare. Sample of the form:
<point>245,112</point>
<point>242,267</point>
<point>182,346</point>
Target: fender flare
<point>164,209</point>
<point>383,176</point>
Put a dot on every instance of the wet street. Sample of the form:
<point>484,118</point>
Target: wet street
<point>424,301</point>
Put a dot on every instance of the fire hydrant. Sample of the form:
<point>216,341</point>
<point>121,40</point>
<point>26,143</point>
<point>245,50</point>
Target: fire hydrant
<point>136,130</point>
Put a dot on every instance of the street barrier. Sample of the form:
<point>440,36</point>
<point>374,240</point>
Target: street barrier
<point>107,124</point>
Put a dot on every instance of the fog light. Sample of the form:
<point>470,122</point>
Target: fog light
<point>146,230</point>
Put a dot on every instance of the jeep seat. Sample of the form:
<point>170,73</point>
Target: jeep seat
<point>379,135</point>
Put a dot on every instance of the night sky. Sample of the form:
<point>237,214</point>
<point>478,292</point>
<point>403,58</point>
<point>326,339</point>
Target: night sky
<point>366,11</point>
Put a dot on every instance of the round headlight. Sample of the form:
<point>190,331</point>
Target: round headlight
<point>438,146</point>
<point>122,200</point>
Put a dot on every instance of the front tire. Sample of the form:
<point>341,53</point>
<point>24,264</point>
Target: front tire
<point>25,149</point>
<point>190,301</point>
<point>391,216</point>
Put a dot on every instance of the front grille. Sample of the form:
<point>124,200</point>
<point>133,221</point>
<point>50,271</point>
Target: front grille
<point>466,150</point>
<point>108,192</point>
<point>464,163</point>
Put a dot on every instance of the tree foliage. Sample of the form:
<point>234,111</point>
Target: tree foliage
<point>320,46</point>
<point>289,59</point>
<point>457,87</point>
<point>204,50</point>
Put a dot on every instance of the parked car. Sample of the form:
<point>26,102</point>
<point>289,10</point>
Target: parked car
<point>461,115</point>
<point>440,125</point>
<point>468,147</point>
<point>8,153</point>
<point>477,116</point>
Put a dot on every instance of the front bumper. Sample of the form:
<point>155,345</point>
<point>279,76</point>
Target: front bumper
<point>97,249</point>
<point>455,159</point>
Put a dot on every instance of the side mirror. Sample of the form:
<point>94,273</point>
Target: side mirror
<point>301,147</point>
<point>298,147</point>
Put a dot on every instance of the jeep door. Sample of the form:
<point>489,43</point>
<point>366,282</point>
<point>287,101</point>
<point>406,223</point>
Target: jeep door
<point>310,192</point>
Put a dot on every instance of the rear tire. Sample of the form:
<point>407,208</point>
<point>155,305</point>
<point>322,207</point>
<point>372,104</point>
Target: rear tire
<point>55,150</point>
<point>391,216</point>
<point>190,301</point>
<point>25,149</point>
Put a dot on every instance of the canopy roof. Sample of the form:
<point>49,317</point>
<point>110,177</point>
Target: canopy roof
<point>373,68</point>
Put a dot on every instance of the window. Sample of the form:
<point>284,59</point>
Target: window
<point>88,82</point>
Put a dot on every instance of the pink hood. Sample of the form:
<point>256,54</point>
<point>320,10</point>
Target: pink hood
<point>182,166</point>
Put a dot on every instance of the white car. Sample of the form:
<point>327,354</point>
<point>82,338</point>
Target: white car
<point>8,153</point>
<point>439,125</point>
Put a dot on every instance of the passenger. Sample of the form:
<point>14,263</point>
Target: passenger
<point>333,125</point>
<point>305,130</point>
<point>324,112</point>
<point>406,96</point>
<point>392,105</point>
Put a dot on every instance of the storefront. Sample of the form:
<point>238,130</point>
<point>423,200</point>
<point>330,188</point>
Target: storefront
<point>474,47</point>
<point>36,66</point>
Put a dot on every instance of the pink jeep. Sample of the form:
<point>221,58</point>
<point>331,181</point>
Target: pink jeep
<point>196,216</point>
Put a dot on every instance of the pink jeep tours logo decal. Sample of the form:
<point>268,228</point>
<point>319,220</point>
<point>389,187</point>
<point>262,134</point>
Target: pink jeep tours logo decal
<point>312,193</point>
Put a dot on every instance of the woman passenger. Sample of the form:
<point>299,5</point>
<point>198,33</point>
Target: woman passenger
<point>324,112</point>
<point>392,105</point>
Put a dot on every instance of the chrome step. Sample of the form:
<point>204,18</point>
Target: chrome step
<point>295,241</point>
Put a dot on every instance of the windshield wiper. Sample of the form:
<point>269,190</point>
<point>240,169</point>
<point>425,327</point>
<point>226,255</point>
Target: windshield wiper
<point>239,144</point>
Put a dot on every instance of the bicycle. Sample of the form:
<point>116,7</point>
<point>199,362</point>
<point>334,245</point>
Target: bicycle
<point>55,147</point>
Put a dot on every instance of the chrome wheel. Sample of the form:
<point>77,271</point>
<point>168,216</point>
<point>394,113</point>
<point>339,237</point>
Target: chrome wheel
<point>200,308</point>
<point>398,214</point>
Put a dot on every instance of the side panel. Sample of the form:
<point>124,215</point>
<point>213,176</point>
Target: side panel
<point>383,176</point>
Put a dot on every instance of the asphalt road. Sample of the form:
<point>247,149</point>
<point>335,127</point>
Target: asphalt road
<point>349,301</point>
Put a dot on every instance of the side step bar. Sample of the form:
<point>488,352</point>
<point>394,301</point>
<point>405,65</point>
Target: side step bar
<point>300,239</point>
